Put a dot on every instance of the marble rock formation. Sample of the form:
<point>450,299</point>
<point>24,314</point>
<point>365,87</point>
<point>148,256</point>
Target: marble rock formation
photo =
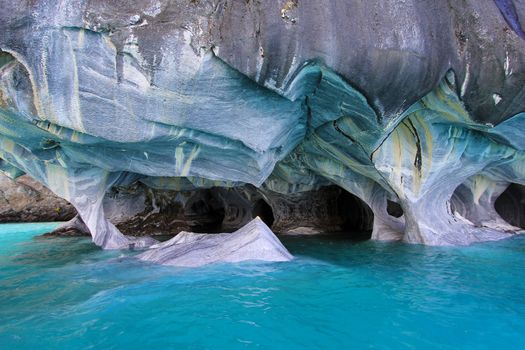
<point>399,103</point>
<point>254,241</point>
<point>141,210</point>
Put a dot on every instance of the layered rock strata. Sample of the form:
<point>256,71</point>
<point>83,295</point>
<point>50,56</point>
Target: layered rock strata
<point>393,102</point>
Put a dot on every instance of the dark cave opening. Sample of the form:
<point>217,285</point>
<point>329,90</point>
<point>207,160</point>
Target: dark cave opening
<point>264,211</point>
<point>356,216</point>
<point>5,58</point>
<point>394,209</point>
<point>510,205</point>
<point>205,212</point>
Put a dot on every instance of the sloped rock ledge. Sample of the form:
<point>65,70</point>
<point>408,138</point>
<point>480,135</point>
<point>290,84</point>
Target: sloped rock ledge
<point>254,241</point>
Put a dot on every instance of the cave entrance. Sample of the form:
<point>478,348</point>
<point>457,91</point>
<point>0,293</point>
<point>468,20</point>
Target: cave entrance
<point>5,58</point>
<point>205,212</point>
<point>510,205</point>
<point>394,209</point>
<point>356,216</point>
<point>264,211</point>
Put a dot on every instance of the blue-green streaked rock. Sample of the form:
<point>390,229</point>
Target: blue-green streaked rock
<point>114,94</point>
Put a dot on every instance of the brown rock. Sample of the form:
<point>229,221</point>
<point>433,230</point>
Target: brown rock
<point>26,200</point>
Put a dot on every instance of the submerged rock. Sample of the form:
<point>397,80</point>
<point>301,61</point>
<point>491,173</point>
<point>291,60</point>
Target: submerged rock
<point>71,228</point>
<point>254,241</point>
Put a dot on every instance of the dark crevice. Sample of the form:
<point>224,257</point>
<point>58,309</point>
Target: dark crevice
<point>205,212</point>
<point>264,211</point>
<point>510,205</point>
<point>338,129</point>
<point>394,209</point>
<point>357,217</point>
<point>417,158</point>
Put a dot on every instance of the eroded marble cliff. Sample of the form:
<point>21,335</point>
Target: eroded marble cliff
<point>416,108</point>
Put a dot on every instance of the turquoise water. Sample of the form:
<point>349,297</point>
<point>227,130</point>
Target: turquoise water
<point>64,293</point>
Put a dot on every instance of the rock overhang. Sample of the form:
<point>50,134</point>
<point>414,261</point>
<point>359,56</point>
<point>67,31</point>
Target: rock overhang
<point>402,109</point>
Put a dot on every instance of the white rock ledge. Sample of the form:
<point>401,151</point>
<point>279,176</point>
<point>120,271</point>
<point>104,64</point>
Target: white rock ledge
<point>254,241</point>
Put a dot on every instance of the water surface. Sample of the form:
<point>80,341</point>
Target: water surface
<point>65,293</point>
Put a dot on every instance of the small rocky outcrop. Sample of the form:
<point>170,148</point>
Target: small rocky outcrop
<point>26,200</point>
<point>254,241</point>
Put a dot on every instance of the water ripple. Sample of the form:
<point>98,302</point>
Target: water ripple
<point>66,293</point>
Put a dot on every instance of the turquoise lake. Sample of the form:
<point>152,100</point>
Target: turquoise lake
<point>65,293</point>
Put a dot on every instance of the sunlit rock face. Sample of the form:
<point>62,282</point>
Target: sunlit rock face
<point>26,200</point>
<point>419,103</point>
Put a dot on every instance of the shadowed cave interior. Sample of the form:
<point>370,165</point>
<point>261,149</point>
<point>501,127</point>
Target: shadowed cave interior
<point>511,205</point>
<point>264,211</point>
<point>329,209</point>
<point>485,202</point>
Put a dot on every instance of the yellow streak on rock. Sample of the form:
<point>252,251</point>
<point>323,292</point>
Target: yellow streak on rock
<point>341,157</point>
<point>57,180</point>
<point>194,153</point>
<point>8,146</point>
<point>75,98</point>
<point>75,137</point>
<point>480,184</point>
<point>81,36</point>
<point>47,110</point>
<point>398,158</point>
